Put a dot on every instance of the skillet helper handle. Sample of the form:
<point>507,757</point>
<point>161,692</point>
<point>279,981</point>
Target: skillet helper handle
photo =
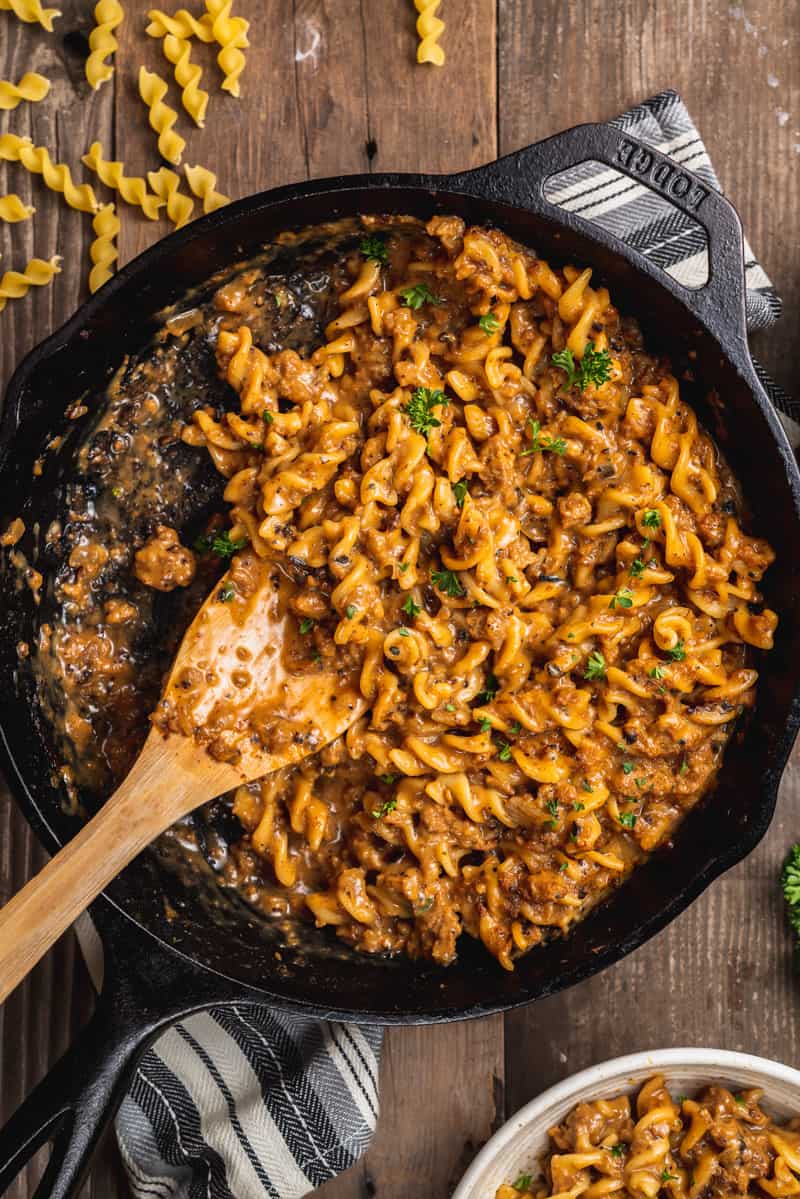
<point>520,179</point>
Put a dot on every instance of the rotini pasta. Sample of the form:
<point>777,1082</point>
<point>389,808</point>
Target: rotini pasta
<point>15,284</point>
<point>31,87</point>
<point>32,12</point>
<point>166,185</point>
<point>131,188</point>
<point>718,1144</point>
<point>230,33</point>
<point>187,76</point>
<point>181,24</point>
<point>12,209</point>
<point>429,29</point>
<point>103,250</point>
<point>56,175</point>
<point>203,184</point>
<point>108,16</point>
<point>492,512</point>
<point>153,89</point>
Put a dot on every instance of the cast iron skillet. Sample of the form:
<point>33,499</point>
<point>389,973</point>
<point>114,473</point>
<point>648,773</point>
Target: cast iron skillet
<point>157,971</point>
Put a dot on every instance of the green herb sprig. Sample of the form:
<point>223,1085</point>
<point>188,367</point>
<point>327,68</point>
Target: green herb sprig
<point>539,444</point>
<point>419,409</point>
<point>417,295</point>
<point>594,367</point>
<point>374,249</point>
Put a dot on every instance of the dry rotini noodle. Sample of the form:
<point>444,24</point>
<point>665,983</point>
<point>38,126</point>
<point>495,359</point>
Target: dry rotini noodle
<point>230,33</point>
<point>718,1145</point>
<point>15,284</point>
<point>103,250</point>
<point>152,90</point>
<point>13,209</point>
<point>181,24</point>
<point>503,520</point>
<point>32,12</point>
<point>166,185</point>
<point>56,175</point>
<point>31,87</point>
<point>429,29</point>
<point>103,45</point>
<point>131,188</point>
<point>203,184</point>
<point>187,75</point>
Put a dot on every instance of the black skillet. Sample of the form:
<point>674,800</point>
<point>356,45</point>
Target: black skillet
<point>158,970</point>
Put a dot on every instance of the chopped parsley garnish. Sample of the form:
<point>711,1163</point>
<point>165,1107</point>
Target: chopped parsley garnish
<point>523,1183</point>
<point>504,751</point>
<point>656,673</point>
<point>374,249</point>
<point>627,767</point>
<point>449,707</point>
<point>424,907</point>
<point>684,766</point>
<point>740,1101</point>
<point>539,444</point>
<point>306,625</point>
<point>403,631</point>
<point>490,690</point>
<point>622,599</point>
<point>384,809</point>
<point>594,367</point>
<point>667,1177</point>
<point>552,807</point>
<point>516,729</point>
<point>790,881</point>
<point>447,582</point>
<point>587,786</point>
<point>681,1099</point>
<point>404,567</point>
<point>389,778</point>
<point>628,819</point>
<point>410,608</point>
<point>460,492</point>
<point>489,323</point>
<point>640,782</point>
<point>224,546</point>
<point>636,568</point>
<point>595,666</point>
<point>617,1151</point>
<point>651,518</point>
<point>226,593</point>
<point>267,417</point>
<point>350,611</point>
<point>678,652</point>
<point>417,295</point>
<point>419,409</point>
<point>579,807</point>
<point>486,725</point>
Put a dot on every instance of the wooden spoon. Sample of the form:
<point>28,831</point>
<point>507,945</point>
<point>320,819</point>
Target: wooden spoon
<point>229,696</point>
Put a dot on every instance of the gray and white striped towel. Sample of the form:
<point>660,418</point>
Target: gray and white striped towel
<point>244,1102</point>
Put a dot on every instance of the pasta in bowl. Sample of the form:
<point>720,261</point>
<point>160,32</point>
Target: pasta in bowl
<point>499,515</point>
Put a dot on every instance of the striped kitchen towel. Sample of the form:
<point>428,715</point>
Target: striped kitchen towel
<point>243,1102</point>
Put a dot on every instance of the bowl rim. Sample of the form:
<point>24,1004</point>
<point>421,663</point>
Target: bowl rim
<point>575,1085</point>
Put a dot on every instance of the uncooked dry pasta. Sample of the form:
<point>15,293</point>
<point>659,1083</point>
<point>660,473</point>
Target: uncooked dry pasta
<point>166,185</point>
<point>187,76</point>
<point>429,29</point>
<point>131,188</point>
<point>230,33</point>
<point>204,185</point>
<point>32,12</point>
<point>103,45</point>
<point>719,1144</point>
<point>153,89</point>
<point>31,87</point>
<point>56,175</point>
<point>103,250</point>
<point>12,209</point>
<point>181,24</point>
<point>502,517</point>
<point>16,284</point>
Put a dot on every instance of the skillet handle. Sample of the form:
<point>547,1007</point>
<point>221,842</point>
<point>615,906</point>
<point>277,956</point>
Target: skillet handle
<point>520,179</point>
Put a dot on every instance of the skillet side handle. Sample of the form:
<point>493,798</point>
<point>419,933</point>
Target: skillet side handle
<point>520,179</point>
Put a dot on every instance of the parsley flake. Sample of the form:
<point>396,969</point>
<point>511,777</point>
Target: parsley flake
<point>678,652</point>
<point>683,767</point>
<point>622,599</point>
<point>651,518</point>
<point>410,608</point>
<point>486,725</point>
<point>226,593</point>
<point>539,444</point>
<point>419,409</point>
<point>447,582</point>
<point>595,666</point>
<point>491,687</point>
<point>374,249</point>
<point>552,807</point>
<point>594,367</point>
<point>384,809</point>
<point>489,324</point>
<point>523,1183</point>
<point>389,778</point>
<point>627,767</point>
<point>628,819</point>
<point>656,673</point>
<point>417,295</point>
<point>267,417</point>
<point>587,786</point>
<point>460,492</point>
<point>306,625</point>
<point>350,611</point>
<point>667,1177</point>
<point>617,1151</point>
<point>504,751</point>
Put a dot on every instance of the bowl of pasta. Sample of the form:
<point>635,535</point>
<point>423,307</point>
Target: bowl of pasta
<point>664,1122</point>
<point>528,491</point>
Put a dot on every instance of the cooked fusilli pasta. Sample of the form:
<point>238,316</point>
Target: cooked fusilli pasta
<point>56,175</point>
<point>108,15</point>
<point>719,1145</point>
<point>502,518</point>
<point>231,34</point>
<point>131,188</point>
<point>31,87</point>
<point>103,250</point>
<point>429,29</point>
<point>15,284</point>
<point>204,185</point>
<point>31,11</point>
<point>166,185</point>
<point>153,89</point>
<point>12,209</point>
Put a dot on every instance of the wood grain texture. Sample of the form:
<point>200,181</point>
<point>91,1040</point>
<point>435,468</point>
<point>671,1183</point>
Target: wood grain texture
<point>331,87</point>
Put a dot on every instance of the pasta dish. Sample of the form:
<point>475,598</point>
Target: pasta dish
<point>498,516</point>
<point>716,1144</point>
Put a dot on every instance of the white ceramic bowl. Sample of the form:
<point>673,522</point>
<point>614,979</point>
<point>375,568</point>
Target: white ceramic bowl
<point>519,1145</point>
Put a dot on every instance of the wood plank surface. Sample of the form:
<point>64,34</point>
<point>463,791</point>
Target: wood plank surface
<point>330,88</point>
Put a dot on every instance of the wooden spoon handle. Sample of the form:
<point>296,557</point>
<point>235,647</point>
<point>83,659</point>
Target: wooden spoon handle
<point>147,802</point>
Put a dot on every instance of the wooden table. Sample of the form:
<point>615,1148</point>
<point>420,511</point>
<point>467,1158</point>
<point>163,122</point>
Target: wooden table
<point>331,87</point>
